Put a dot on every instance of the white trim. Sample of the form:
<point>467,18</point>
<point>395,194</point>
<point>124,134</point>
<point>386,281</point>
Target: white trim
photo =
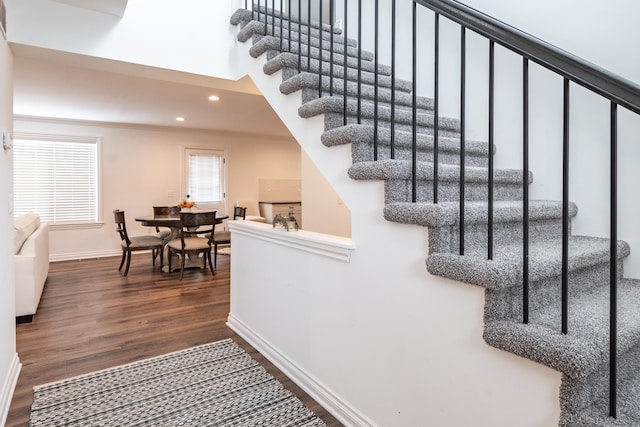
<point>75,226</point>
<point>86,255</point>
<point>333,403</point>
<point>335,247</point>
<point>9,386</point>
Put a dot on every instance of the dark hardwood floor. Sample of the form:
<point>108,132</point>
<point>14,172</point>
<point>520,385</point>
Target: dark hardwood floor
<point>90,317</point>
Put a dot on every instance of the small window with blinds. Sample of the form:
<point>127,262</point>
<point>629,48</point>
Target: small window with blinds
<point>205,177</point>
<point>57,177</point>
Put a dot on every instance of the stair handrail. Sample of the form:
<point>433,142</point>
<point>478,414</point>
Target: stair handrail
<point>616,88</point>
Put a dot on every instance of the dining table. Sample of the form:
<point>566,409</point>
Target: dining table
<point>173,223</point>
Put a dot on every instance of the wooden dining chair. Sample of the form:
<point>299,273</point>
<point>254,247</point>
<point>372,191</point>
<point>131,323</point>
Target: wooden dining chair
<point>223,237</point>
<point>164,210</point>
<point>136,243</point>
<point>195,238</point>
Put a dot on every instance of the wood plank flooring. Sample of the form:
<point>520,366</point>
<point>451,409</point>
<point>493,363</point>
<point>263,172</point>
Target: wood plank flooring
<point>90,317</point>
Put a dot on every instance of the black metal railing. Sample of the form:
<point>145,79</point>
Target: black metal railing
<point>573,70</point>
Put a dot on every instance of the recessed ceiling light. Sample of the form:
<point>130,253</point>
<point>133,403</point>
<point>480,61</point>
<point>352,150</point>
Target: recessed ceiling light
<point>180,119</point>
<point>214,98</point>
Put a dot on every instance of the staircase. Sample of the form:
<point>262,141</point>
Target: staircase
<point>581,355</point>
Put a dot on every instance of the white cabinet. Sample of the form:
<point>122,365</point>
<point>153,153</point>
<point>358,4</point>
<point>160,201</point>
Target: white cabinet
<point>270,209</point>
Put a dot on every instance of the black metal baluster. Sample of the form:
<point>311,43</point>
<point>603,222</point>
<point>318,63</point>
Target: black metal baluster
<point>463,104</point>
<point>289,25</point>
<point>299,36</point>
<point>375,83</point>
<point>309,35</point>
<point>259,10</point>
<point>320,31</point>
<point>273,17</point>
<point>525,190</point>
<point>281,26</point>
<point>345,68</point>
<point>393,77</point>
<point>331,60</point>
<point>359,60</point>
<point>436,87</point>
<point>490,170</point>
<point>565,209</point>
<point>414,130</point>
<point>613,268</point>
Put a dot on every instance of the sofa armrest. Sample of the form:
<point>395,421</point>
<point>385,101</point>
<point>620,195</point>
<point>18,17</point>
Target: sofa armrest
<point>31,270</point>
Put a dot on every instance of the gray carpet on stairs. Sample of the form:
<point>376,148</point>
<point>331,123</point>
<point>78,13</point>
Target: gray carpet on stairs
<point>582,355</point>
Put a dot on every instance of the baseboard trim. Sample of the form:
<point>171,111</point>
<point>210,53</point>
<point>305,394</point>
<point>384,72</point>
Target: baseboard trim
<point>6,394</point>
<point>333,403</point>
<point>72,256</point>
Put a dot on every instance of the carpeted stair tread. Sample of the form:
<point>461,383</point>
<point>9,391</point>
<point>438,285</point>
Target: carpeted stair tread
<point>288,62</point>
<point>505,269</point>
<point>591,407</point>
<point>599,416</point>
<point>243,16</point>
<point>586,346</point>
<point>361,136</point>
<point>362,133</point>
<point>448,213</point>
<point>335,104</point>
<point>402,169</point>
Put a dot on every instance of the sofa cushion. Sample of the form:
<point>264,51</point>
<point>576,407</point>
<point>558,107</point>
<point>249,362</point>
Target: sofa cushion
<point>23,226</point>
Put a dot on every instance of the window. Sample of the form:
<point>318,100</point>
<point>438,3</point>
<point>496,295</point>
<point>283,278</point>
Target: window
<point>205,177</point>
<point>57,177</point>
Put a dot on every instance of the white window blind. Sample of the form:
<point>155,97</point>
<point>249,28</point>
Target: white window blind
<point>205,176</point>
<point>56,177</point>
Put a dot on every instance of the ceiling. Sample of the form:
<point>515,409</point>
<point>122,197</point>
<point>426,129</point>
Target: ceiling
<point>61,85</point>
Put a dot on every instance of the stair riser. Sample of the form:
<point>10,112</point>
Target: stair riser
<point>507,303</point>
<point>297,28</point>
<point>592,392</point>
<point>312,65</point>
<point>362,152</point>
<point>334,120</point>
<point>363,136</point>
<point>260,46</point>
<point>399,190</point>
<point>338,41</point>
<point>403,103</point>
<point>310,83</point>
<point>447,239</point>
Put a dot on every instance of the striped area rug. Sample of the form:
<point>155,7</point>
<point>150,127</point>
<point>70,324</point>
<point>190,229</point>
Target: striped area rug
<point>215,384</point>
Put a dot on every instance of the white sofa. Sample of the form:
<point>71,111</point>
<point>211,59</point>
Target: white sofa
<point>31,239</point>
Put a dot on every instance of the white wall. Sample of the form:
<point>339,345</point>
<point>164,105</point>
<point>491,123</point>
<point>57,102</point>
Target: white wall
<point>9,363</point>
<point>323,210</point>
<point>378,340</point>
<point>142,166</point>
